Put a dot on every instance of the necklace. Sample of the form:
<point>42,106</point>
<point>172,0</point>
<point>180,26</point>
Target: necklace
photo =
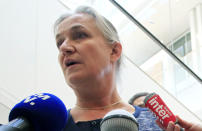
<point>98,108</point>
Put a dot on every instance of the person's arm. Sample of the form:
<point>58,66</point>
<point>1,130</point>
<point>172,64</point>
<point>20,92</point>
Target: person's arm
<point>183,124</point>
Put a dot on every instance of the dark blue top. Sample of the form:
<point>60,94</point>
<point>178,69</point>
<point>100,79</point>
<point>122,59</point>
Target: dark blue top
<point>144,117</point>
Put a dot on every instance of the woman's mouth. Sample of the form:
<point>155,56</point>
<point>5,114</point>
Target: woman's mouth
<point>70,63</point>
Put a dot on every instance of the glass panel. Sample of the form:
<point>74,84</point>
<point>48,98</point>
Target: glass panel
<point>175,79</point>
<point>176,23</point>
<point>168,20</point>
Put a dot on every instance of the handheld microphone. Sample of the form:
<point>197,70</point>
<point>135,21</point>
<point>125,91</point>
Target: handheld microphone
<point>119,120</point>
<point>39,112</point>
<point>160,109</point>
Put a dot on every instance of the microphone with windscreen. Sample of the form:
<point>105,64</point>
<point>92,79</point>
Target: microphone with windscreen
<point>39,112</point>
<point>158,107</point>
<point>119,120</point>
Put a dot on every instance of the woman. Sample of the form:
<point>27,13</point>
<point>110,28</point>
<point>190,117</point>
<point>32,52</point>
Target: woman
<point>90,55</point>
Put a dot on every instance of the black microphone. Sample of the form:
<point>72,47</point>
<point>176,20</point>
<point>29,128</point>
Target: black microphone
<point>119,120</point>
<point>39,112</point>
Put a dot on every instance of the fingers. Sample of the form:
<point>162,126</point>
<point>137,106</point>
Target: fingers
<point>183,123</point>
<point>173,127</point>
<point>177,128</point>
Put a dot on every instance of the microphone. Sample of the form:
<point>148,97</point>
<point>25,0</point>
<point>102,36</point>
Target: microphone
<point>119,120</point>
<point>39,112</point>
<point>160,109</point>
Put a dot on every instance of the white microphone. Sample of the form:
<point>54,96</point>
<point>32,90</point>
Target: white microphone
<point>119,120</point>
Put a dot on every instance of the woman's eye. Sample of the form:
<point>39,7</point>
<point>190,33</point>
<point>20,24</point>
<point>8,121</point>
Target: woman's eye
<point>59,43</point>
<point>79,35</point>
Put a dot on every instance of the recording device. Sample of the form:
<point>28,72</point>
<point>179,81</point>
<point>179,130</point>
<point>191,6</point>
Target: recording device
<point>160,109</point>
<point>119,120</point>
<point>39,112</point>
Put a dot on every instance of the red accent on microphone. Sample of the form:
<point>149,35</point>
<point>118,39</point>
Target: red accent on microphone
<point>160,109</point>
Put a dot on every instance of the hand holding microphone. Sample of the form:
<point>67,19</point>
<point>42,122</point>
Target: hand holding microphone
<point>184,124</point>
<point>167,119</point>
<point>39,112</point>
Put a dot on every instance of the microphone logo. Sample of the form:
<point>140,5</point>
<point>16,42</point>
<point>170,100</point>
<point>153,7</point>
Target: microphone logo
<point>159,108</point>
<point>30,99</point>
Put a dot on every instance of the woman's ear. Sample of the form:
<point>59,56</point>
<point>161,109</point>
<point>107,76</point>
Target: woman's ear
<point>116,51</point>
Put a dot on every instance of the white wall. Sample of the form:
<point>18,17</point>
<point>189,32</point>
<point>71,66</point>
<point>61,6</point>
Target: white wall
<point>27,50</point>
<point>29,58</point>
<point>4,113</point>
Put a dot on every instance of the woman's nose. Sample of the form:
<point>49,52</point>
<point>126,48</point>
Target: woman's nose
<point>67,48</point>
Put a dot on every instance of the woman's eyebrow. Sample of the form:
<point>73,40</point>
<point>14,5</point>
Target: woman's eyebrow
<point>72,29</point>
<point>76,28</point>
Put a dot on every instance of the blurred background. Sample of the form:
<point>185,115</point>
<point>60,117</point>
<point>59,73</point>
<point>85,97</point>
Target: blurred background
<point>28,53</point>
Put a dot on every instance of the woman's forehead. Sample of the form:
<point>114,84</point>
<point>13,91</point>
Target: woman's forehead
<point>77,18</point>
<point>80,19</point>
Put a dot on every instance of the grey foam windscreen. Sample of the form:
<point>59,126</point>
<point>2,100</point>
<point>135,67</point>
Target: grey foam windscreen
<point>119,120</point>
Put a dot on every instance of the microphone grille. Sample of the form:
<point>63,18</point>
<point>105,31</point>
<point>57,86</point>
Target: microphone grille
<point>118,124</point>
<point>119,120</point>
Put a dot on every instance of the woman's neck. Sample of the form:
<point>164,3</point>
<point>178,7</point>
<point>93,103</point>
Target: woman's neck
<point>98,98</point>
<point>80,114</point>
<point>96,90</point>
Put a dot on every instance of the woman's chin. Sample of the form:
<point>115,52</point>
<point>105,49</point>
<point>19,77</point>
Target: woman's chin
<point>74,78</point>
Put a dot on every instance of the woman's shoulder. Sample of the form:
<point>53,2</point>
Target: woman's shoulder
<point>83,125</point>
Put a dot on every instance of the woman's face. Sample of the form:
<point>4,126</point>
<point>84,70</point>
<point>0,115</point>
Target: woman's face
<point>84,53</point>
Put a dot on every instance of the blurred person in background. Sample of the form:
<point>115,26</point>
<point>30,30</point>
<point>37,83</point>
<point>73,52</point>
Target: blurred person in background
<point>144,117</point>
<point>138,99</point>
